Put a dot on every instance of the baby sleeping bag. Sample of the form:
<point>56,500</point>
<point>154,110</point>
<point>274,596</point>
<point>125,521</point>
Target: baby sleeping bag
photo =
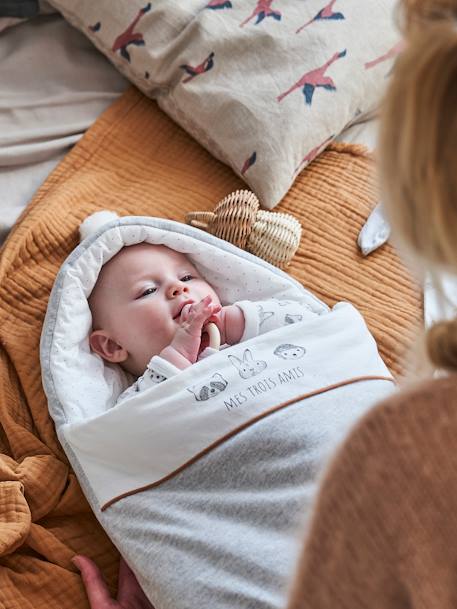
<point>204,481</point>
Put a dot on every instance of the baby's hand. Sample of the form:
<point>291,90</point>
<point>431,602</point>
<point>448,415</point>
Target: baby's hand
<point>194,316</point>
<point>231,323</point>
<point>188,336</point>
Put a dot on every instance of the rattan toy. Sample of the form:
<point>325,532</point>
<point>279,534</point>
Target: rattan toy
<point>272,236</point>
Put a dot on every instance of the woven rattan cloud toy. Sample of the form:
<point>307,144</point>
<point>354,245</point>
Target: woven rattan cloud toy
<point>272,236</point>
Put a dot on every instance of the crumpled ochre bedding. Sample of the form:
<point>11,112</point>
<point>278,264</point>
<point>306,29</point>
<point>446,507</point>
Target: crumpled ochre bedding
<point>135,160</point>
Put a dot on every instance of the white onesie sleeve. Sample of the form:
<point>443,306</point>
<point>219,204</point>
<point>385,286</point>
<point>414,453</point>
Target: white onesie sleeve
<point>158,370</point>
<point>263,316</point>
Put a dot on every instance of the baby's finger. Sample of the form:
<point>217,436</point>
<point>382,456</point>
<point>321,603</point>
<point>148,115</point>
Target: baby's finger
<point>205,301</point>
<point>185,311</point>
<point>202,306</point>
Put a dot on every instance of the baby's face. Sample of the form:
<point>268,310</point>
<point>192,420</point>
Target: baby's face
<point>137,301</point>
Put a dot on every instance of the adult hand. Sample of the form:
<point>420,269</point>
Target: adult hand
<point>129,595</point>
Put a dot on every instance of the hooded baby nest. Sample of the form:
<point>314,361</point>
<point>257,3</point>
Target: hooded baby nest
<point>73,376</point>
<point>206,518</point>
<point>163,430</point>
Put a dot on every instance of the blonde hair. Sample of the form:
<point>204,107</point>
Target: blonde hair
<point>418,151</point>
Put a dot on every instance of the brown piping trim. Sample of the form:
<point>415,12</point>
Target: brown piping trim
<point>303,396</point>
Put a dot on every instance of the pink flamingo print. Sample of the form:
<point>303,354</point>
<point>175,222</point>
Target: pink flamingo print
<point>129,36</point>
<point>325,13</point>
<point>262,10</point>
<point>313,79</point>
<point>217,4</point>
<point>395,50</point>
<point>249,162</point>
<point>202,67</point>
<point>312,154</point>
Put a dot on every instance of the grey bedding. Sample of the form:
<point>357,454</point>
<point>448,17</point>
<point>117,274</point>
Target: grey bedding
<point>227,530</point>
<point>54,84</point>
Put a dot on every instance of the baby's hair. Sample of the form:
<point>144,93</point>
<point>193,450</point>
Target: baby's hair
<point>418,152</point>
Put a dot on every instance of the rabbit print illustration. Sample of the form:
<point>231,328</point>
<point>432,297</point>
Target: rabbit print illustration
<point>288,351</point>
<point>209,389</point>
<point>247,367</point>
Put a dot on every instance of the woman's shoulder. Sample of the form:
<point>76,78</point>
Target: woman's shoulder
<point>421,405</point>
<point>413,432</point>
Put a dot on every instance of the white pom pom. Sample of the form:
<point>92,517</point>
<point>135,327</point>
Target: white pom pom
<point>95,221</point>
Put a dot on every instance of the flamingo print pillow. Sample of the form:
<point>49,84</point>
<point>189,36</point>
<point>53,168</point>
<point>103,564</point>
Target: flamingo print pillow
<point>264,85</point>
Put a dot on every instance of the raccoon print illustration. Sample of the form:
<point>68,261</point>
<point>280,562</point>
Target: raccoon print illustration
<point>288,351</point>
<point>292,319</point>
<point>212,387</point>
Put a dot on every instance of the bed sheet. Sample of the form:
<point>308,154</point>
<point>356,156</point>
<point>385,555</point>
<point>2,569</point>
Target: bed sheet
<point>54,85</point>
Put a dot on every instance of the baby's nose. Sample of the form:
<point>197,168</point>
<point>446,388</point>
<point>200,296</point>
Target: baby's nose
<point>177,288</point>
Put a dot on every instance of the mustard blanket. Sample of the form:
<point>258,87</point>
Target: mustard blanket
<point>136,161</point>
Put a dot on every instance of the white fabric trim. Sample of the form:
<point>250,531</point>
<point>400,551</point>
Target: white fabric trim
<point>162,366</point>
<point>153,434</point>
<point>251,319</point>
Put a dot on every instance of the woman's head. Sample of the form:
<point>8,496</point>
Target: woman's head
<point>418,152</point>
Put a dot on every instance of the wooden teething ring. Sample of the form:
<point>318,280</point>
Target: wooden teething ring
<point>214,336</point>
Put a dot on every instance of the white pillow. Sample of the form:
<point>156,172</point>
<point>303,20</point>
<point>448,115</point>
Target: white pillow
<point>264,85</point>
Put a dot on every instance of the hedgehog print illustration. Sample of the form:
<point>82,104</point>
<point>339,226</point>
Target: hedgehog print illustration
<point>288,351</point>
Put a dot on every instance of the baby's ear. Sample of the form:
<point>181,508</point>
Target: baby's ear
<point>106,347</point>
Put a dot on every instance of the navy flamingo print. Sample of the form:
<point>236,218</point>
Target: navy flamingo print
<point>129,36</point>
<point>312,154</point>
<point>202,67</point>
<point>249,162</point>
<point>217,4</point>
<point>262,10</point>
<point>395,50</point>
<point>313,79</point>
<point>324,14</point>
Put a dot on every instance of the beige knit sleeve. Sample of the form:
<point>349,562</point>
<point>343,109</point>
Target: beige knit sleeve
<point>384,530</point>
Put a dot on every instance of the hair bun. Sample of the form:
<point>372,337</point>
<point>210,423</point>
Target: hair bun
<point>442,344</point>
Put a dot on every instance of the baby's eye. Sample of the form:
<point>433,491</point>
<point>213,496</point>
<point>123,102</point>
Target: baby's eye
<point>186,278</point>
<point>148,291</point>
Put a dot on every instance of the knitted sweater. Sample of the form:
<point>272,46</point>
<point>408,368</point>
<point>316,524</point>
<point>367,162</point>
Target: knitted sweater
<point>384,532</point>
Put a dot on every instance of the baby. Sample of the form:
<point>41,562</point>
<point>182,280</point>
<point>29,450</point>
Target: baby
<point>150,307</point>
